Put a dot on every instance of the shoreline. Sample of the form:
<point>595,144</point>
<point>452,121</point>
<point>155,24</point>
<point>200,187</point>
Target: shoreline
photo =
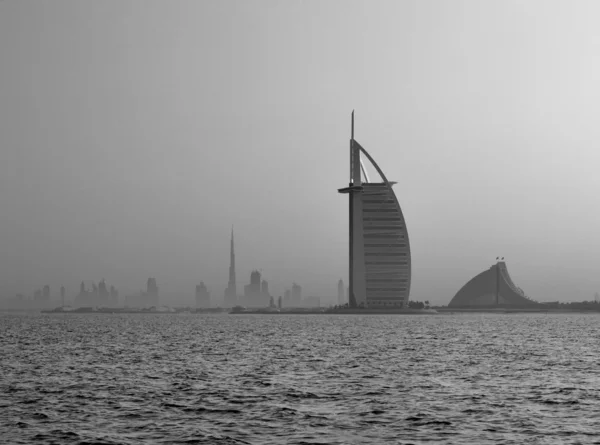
<point>295,311</point>
<point>312,311</point>
<point>515,310</point>
<point>344,311</point>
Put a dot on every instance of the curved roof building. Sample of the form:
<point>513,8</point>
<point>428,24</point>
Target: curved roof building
<point>380,262</point>
<point>493,287</point>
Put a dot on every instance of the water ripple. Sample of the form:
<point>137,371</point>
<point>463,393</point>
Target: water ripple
<point>271,379</point>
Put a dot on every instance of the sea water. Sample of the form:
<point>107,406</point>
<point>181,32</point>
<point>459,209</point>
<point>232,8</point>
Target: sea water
<point>299,379</point>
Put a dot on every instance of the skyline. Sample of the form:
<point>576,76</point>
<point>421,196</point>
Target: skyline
<point>152,289</point>
<point>114,144</point>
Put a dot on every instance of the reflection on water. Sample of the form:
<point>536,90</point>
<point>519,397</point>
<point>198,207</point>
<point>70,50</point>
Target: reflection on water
<point>129,379</point>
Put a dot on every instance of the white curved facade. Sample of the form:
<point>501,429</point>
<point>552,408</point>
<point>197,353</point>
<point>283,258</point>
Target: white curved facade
<point>380,261</point>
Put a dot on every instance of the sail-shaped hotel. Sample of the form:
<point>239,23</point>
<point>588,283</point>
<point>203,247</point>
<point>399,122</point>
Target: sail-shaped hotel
<point>380,262</point>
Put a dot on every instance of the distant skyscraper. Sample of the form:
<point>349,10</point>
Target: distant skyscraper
<point>296,295</point>
<point>231,291</point>
<point>252,291</point>
<point>341,297</point>
<point>255,279</point>
<point>81,299</point>
<point>264,290</point>
<point>103,295</point>
<point>287,298</point>
<point>152,292</point>
<point>144,299</point>
<point>114,296</point>
<point>202,296</point>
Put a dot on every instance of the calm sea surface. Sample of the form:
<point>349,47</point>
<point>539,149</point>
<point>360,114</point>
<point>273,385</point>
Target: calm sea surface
<point>268,379</point>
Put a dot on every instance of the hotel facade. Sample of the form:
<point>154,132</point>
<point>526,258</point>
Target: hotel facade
<point>492,287</point>
<point>379,248</point>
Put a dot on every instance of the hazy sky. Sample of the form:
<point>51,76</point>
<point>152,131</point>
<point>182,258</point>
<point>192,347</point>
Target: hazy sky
<point>133,134</point>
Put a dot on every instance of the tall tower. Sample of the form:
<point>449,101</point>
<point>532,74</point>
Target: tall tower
<point>152,292</point>
<point>264,290</point>
<point>231,291</point>
<point>232,266</point>
<point>341,296</point>
<point>297,294</point>
<point>379,250</point>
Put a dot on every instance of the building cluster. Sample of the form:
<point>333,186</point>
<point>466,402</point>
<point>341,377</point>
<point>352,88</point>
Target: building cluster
<point>144,299</point>
<point>97,296</point>
<point>202,296</point>
<point>41,299</point>
<point>293,297</point>
<point>42,296</point>
<point>256,294</point>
